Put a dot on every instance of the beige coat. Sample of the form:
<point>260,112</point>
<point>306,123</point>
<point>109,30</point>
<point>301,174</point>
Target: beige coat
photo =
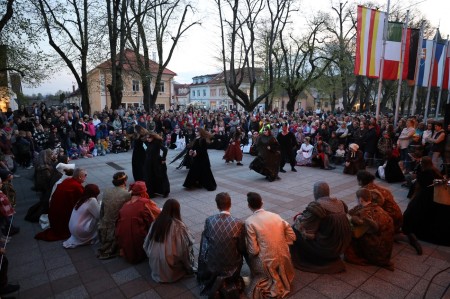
<point>268,238</point>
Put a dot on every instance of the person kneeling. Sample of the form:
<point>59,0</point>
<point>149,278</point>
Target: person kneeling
<point>373,233</point>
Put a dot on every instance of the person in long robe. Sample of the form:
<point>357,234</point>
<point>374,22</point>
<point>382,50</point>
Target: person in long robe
<point>234,151</point>
<point>200,173</point>
<point>63,201</point>
<point>221,250</point>
<point>288,145</point>
<point>135,218</point>
<point>373,233</point>
<point>267,240</point>
<point>354,161</point>
<point>169,245</point>
<point>112,202</point>
<point>268,157</point>
<point>138,155</point>
<point>424,217</point>
<point>155,168</point>
<point>304,154</point>
<point>323,233</point>
<point>84,219</point>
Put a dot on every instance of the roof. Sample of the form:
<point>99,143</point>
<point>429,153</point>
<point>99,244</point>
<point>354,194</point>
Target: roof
<point>178,87</point>
<point>130,63</point>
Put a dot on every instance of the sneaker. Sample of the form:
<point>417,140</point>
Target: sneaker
<point>293,169</point>
<point>239,164</point>
<point>282,170</point>
<point>9,288</point>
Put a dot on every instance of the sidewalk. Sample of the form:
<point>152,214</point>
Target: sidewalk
<point>47,270</point>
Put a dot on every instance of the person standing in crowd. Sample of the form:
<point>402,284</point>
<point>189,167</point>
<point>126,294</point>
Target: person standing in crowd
<point>268,238</point>
<point>370,140</point>
<point>322,233</point>
<point>133,223</point>
<point>169,245</point>
<point>373,233</point>
<point>200,173</point>
<point>288,146</point>
<point>155,168</point>
<point>138,155</point>
<point>221,249</point>
<point>267,162</point>
<point>63,200</point>
<point>403,141</point>
<point>84,219</point>
<point>234,151</point>
<point>437,144</point>
<point>113,200</point>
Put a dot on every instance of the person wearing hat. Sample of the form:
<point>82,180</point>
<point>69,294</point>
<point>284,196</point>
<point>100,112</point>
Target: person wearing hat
<point>84,219</point>
<point>354,160</point>
<point>135,218</point>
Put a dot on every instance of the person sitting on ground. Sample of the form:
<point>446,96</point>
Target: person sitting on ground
<point>135,218</point>
<point>268,237</point>
<point>62,203</point>
<point>321,154</point>
<point>169,245</point>
<point>373,232</point>
<point>366,180</point>
<point>323,233</point>
<point>390,171</point>
<point>113,200</point>
<point>339,155</point>
<point>84,219</point>
<point>354,160</point>
<point>221,249</point>
<point>304,154</point>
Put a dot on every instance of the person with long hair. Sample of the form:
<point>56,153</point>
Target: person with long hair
<point>113,200</point>
<point>424,217</point>
<point>133,223</point>
<point>200,173</point>
<point>138,155</point>
<point>169,245</point>
<point>155,168</point>
<point>84,219</point>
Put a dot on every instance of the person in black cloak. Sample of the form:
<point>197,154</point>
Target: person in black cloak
<point>200,173</point>
<point>155,168</point>
<point>138,155</point>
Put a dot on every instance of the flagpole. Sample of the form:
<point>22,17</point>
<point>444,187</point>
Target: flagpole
<point>416,77</point>
<point>430,77</point>
<point>383,51</point>
<point>402,60</point>
<point>444,54</point>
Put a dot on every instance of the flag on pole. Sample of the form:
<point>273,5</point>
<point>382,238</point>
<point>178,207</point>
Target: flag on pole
<point>425,63</point>
<point>369,41</point>
<point>392,56</point>
<point>446,79</point>
<point>438,67</point>
<point>414,36</point>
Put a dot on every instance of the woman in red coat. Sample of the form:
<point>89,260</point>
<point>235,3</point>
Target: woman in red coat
<point>134,221</point>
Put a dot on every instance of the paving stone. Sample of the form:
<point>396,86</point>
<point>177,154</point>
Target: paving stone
<point>335,288</point>
<point>382,289</point>
<point>125,275</point>
<point>74,293</point>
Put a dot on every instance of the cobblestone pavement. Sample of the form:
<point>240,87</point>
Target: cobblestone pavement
<point>47,270</point>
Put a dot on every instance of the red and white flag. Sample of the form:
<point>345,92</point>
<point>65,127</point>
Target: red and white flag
<point>446,79</point>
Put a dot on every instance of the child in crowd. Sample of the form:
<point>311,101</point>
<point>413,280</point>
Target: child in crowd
<point>84,150</point>
<point>6,213</point>
<point>74,153</point>
<point>339,155</point>
<point>99,149</point>
<point>107,144</point>
<point>90,144</point>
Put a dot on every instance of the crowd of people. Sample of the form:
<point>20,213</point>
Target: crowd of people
<point>128,223</point>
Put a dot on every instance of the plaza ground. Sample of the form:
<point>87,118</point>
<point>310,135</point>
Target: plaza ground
<point>47,270</point>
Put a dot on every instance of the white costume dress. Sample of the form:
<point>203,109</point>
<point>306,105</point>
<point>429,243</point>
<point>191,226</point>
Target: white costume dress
<point>304,155</point>
<point>83,224</point>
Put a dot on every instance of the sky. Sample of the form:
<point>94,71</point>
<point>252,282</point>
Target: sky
<point>197,51</point>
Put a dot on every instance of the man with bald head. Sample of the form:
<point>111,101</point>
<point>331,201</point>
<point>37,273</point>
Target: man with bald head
<point>323,233</point>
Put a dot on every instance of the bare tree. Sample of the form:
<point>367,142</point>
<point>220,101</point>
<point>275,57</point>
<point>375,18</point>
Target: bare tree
<point>7,15</point>
<point>242,66</point>
<point>303,60</point>
<point>67,26</point>
<point>159,22</point>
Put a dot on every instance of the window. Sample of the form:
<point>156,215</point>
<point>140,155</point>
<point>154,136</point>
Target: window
<point>204,92</point>
<point>193,93</point>
<point>102,82</point>
<point>223,92</point>
<point>161,106</point>
<point>161,87</point>
<point>326,104</point>
<point>198,93</point>
<point>135,85</point>
<point>213,92</point>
